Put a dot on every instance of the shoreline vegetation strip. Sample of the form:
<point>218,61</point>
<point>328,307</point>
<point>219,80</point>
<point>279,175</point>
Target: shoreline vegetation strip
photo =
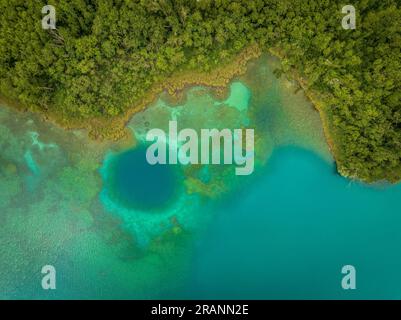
<point>114,128</point>
<point>218,80</point>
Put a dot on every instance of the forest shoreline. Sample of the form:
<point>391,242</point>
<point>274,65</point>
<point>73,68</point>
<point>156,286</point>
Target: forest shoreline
<point>319,106</point>
<point>115,129</point>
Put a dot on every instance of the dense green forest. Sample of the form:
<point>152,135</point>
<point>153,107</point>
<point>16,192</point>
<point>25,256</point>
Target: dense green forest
<point>105,55</point>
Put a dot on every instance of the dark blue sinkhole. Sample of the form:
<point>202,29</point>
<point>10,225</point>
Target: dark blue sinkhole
<point>136,184</point>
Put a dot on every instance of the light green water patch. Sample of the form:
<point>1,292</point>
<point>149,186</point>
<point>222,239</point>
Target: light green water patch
<point>31,163</point>
<point>239,97</point>
<point>31,180</point>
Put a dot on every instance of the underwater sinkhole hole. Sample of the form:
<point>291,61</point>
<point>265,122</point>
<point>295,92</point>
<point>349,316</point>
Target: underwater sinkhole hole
<point>135,184</point>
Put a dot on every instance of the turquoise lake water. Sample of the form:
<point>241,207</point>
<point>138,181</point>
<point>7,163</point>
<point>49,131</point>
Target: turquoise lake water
<point>116,227</point>
<point>289,234</point>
